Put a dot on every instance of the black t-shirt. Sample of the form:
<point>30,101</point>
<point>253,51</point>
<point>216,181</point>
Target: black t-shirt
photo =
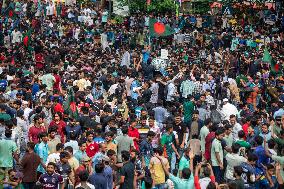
<point>180,129</point>
<point>128,171</point>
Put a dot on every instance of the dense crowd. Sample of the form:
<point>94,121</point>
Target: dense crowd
<point>86,102</point>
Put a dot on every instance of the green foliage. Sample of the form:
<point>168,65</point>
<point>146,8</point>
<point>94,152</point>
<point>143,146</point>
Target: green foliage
<point>155,6</point>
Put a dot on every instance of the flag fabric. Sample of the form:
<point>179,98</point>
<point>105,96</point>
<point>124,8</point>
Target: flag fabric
<point>274,66</point>
<point>70,105</point>
<point>27,38</point>
<point>148,2</point>
<point>158,29</point>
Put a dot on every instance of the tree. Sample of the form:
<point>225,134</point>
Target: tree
<point>158,6</point>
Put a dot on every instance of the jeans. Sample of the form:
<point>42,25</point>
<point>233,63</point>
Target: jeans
<point>218,173</point>
<point>29,185</point>
<point>161,186</point>
<point>173,161</point>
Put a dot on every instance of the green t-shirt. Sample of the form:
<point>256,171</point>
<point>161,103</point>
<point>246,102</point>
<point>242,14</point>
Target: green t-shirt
<point>7,148</point>
<point>167,141</point>
<point>5,117</point>
<point>182,183</point>
<point>183,163</point>
<point>216,147</point>
<point>243,143</point>
<point>188,108</point>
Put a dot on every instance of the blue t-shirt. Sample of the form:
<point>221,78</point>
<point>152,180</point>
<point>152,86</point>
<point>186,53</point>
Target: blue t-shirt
<point>3,84</point>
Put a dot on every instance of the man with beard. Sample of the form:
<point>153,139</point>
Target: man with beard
<point>29,163</point>
<point>50,179</point>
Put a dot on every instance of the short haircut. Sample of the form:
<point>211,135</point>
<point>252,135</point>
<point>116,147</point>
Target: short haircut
<point>83,175</point>
<point>220,131</point>
<point>241,134</point>
<point>258,140</point>
<point>59,146</point>
<point>100,167</point>
<point>52,164</point>
<point>235,148</point>
<point>125,155</point>
<point>69,149</point>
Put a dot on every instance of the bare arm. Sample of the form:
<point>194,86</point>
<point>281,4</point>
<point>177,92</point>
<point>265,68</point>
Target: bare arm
<point>219,160</point>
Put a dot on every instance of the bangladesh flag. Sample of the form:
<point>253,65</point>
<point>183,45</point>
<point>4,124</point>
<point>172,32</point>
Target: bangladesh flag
<point>70,105</point>
<point>158,29</point>
<point>268,58</point>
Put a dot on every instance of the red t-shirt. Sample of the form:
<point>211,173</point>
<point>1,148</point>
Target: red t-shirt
<point>208,142</point>
<point>60,128</point>
<point>92,149</point>
<point>34,132</point>
<point>245,128</point>
<point>133,132</point>
<point>57,81</point>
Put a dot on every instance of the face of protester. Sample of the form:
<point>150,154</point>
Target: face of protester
<point>133,124</point>
<point>103,148</point>
<point>233,120</point>
<point>133,155</point>
<point>221,136</point>
<point>264,128</point>
<point>83,147</point>
<point>12,176</point>
<point>195,117</point>
<point>50,169</point>
<point>90,137</point>
<point>229,131</point>
<point>177,119</point>
<point>52,135</point>
<point>151,123</point>
<point>56,117</point>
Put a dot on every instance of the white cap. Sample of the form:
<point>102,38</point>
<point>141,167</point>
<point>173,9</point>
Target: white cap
<point>25,102</point>
<point>225,100</point>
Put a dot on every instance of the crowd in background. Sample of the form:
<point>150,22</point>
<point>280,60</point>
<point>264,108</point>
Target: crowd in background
<point>82,104</point>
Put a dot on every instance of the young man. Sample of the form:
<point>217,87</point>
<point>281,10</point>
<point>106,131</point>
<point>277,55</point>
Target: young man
<point>42,150</point>
<point>29,163</point>
<point>82,151</point>
<point>127,171</point>
<point>50,179</point>
<point>92,147</point>
<point>156,167</point>
<point>241,141</point>
<point>65,170</point>
<point>53,140</point>
<point>124,143</point>
<point>204,131</point>
<point>217,154</point>
<point>8,151</point>
<point>186,180</point>
<point>168,143</point>
<point>110,145</point>
<point>146,149</point>
<point>54,157</point>
<point>98,178</point>
<point>99,155</point>
<point>36,129</point>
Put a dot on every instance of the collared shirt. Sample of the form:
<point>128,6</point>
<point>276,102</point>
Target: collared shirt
<point>182,183</point>
<point>146,150</point>
<point>50,181</point>
<point>42,151</point>
<point>216,147</point>
<point>79,155</point>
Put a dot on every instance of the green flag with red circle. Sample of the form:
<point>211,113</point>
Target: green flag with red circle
<point>158,29</point>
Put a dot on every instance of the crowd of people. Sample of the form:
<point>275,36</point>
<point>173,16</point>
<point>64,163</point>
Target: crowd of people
<point>83,105</point>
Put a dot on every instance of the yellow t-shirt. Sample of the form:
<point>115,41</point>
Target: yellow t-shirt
<point>157,171</point>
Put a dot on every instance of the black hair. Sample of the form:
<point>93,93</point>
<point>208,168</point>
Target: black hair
<point>111,152</point>
<point>125,155</point>
<point>63,154</point>
<point>124,130</point>
<point>271,143</point>
<point>52,164</point>
<point>83,175</point>
<point>186,173</point>
<point>59,146</point>
<point>235,148</point>
<point>52,129</point>
<point>69,149</point>
<point>31,145</point>
<point>158,150</point>
<point>241,134</point>
<point>252,157</point>
<point>99,167</point>
<point>42,134</point>
<point>89,133</point>
<point>238,170</point>
<point>8,133</point>
<point>81,142</point>
<point>151,134</point>
<point>220,131</point>
<point>258,140</point>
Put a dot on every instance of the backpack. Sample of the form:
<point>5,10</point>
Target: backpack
<point>215,116</point>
